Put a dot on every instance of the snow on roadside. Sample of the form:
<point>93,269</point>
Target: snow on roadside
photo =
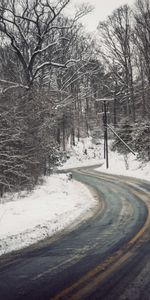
<point>118,164</point>
<point>130,166</point>
<point>50,208</point>
<point>84,153</point>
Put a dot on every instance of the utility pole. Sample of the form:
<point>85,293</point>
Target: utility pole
<point>105,134</point>
<point>104,101</point>
<point>106,126</point>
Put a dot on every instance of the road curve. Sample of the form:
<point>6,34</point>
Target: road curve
<point>97,260</point>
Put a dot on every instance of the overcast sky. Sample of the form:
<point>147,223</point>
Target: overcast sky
<point>102,9</point>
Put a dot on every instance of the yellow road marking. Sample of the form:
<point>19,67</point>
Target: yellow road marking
<point>99,278</point>
<point>110,265</point>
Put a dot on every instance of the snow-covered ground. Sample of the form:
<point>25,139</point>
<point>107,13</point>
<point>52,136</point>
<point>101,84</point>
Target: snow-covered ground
<point>118,164</point>
<point>59,202</point>
<point>49,209</point>
<point>85,153</point>
<point>130,166</point>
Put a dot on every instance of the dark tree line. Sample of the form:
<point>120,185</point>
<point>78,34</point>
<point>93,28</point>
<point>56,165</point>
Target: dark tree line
<point>46,65</point>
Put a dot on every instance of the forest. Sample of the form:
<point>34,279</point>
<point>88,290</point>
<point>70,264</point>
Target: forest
<point>52,74</point>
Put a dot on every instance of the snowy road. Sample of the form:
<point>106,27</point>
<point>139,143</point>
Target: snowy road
<point>99,259</point>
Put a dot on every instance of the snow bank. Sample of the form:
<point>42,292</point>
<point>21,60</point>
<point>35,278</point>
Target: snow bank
<point>118,164</point>
<point>85,153</point>
<point>50,208</point>
<point>127,166</point>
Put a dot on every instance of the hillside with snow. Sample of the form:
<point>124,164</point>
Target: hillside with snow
<point>120,164</point>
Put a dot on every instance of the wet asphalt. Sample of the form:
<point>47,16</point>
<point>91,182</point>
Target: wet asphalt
<point>42,273</point>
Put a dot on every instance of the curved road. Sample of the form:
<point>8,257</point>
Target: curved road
<point>106,257</point>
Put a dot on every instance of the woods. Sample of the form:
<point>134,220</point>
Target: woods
<point>124,47</point>
<point>51,74</point>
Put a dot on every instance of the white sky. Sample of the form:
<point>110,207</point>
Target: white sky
<point>102,9</point>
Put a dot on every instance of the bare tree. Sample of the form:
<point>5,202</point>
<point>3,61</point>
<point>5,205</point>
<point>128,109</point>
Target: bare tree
<point>115,37</point>
<point>32,28</point>
<point>142,32</point>
<point>142,41</point>
<point>39,63</point>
